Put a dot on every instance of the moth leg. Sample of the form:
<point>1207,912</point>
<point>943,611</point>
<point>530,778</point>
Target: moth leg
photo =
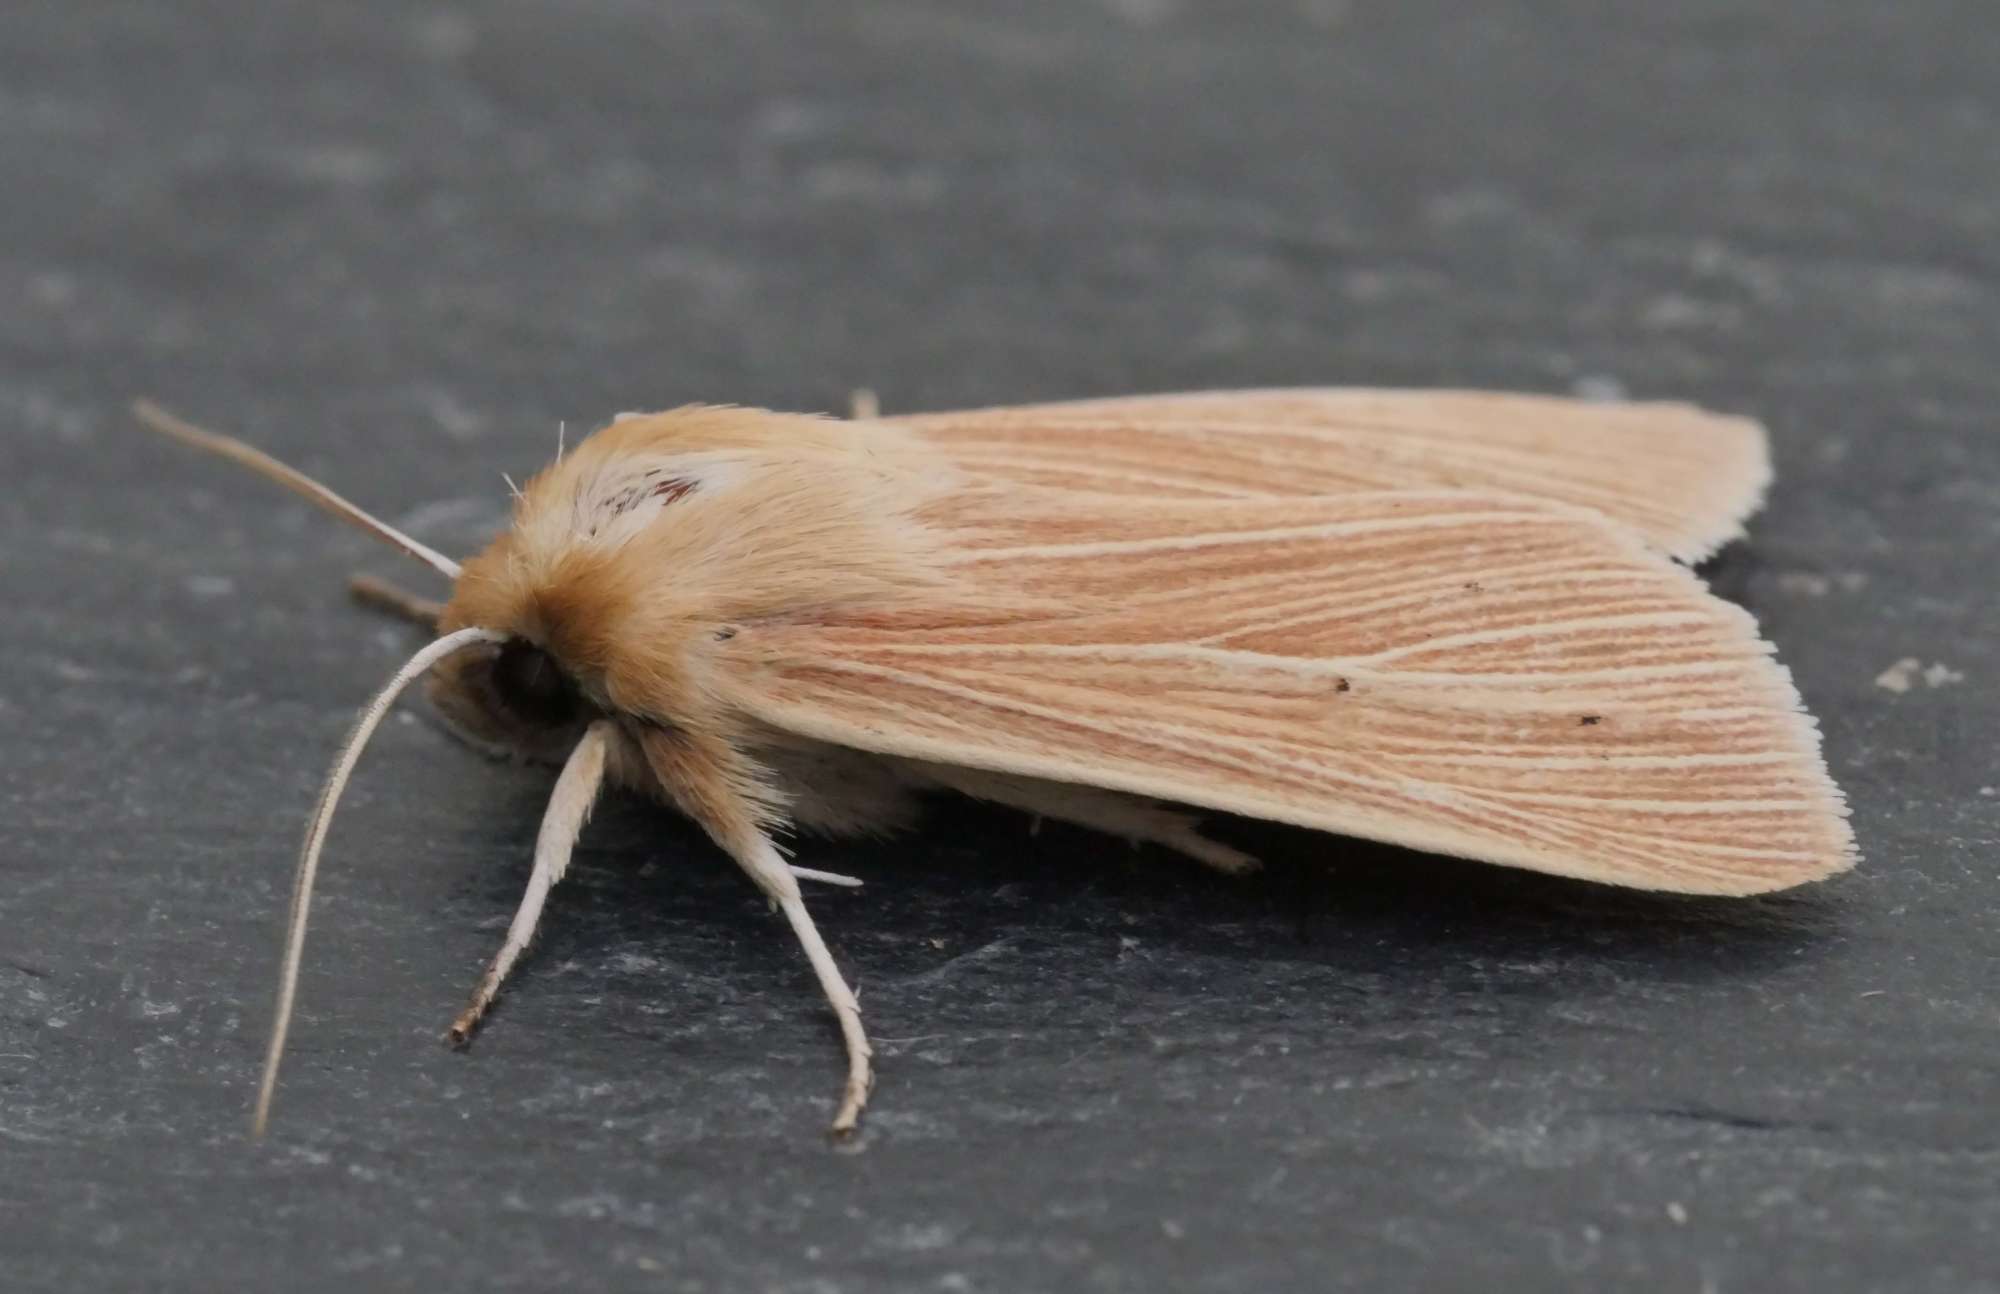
<point>717,785</point>
<point>397,601</point>
<point>569,808</point>
<point>1111,812</point>
<point>863,405</point>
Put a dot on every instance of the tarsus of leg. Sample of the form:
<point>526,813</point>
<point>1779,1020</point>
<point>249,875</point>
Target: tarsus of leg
<point>846,1008</point>
<point>569,808</point>
<point>769,869</point>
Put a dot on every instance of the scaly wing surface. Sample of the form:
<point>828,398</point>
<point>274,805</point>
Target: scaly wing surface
<point>1684,478</point>
<point>1472,673</point>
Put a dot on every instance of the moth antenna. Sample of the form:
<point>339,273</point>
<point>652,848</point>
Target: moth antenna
<point>153,417</point>
<point>316,828</point>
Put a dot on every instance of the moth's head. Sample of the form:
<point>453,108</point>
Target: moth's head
<point>559,609</point>
<point>559,584</point>
<point>512,694</point>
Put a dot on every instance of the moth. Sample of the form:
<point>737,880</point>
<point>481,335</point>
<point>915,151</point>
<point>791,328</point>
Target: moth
<point>1462,622</point>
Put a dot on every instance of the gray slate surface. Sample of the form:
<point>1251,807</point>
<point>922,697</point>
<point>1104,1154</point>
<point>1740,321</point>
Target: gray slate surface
<point>400,243</point>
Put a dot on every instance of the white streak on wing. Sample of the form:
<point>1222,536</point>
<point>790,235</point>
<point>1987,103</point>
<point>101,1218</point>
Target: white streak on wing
<point>1551,629</point>
<point>1182,543</point>
<point>1353,668</point>
<point>1516,582</point>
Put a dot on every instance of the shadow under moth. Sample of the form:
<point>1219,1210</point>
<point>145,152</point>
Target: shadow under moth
<point>1461,622</point>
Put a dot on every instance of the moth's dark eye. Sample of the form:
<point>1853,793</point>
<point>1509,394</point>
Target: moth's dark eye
<point>533,686</point>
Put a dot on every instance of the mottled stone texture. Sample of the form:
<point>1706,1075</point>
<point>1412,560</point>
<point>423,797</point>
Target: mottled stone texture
<point>400,243</point>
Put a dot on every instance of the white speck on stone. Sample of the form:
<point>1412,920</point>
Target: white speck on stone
<point>866,182</point>
<point>921,1238</point>
<point>1600,387</point>
<point>1989,791</point>
<point>1677,1213</point>
<point>1812,584</point>
<point>1898,677</point>
<point>1674,311</point>
<point>36,411</point>
<point>1905,674</point>
<point>1171,1229</point>
<point>72,672</point>
<point>209,586</point>
<point>457,419</point>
